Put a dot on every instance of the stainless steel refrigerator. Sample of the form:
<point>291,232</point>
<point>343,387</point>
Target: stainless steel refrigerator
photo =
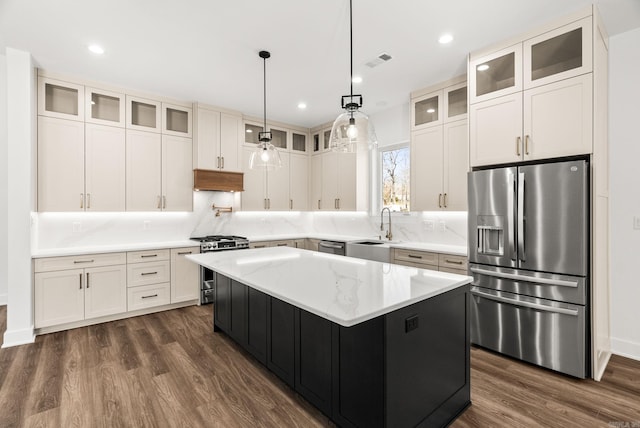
<point>529,257</point>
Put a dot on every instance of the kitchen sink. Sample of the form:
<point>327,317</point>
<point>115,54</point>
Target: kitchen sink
<point>369,249</point>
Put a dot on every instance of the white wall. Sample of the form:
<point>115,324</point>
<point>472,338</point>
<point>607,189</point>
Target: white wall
<point>624,86</point>
<point>3,180</point>
<point>392,125</point>
<point>21,137</point>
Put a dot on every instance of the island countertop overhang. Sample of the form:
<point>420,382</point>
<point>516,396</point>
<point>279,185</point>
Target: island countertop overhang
<point>343,290</point>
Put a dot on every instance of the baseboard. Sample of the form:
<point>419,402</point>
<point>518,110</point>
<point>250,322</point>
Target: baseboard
<point>3,299</point>
<point>625,348</point>
<point>18,337</point>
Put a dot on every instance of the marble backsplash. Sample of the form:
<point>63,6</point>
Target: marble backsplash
<point>63,230</point>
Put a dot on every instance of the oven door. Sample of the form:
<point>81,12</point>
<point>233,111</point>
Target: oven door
<point>540,331</point>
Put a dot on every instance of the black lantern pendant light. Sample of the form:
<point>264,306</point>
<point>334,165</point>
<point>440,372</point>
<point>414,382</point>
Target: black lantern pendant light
<point>265,156</point>
<point>352,129</point>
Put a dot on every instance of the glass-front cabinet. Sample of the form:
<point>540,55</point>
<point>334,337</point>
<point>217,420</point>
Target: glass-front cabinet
<point>143,114</point>
<point>316,143</point>
<point>176,120</point>
<point>496,74</point>
<point>104,107</point>
<point>426,110</point>
<point>279,138</point>
<point>62,100</point>
<point>455,102</point>
<point>559,54</point>
<point>298,142</point>
<point>326,141</point>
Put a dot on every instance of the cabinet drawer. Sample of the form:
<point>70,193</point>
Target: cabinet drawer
<point>148,296</point>
<point>148,273</point>
<point>418,257</point>
<point>49,264</point>
<point>456,271</point>
<point>147,256</point>
<point>452,262</point>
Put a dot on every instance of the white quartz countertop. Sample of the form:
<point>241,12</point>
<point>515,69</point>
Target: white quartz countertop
<point>344,290</point>
<point>97,249</point>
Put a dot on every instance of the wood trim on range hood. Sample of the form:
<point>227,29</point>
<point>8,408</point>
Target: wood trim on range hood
<point>205,179</point>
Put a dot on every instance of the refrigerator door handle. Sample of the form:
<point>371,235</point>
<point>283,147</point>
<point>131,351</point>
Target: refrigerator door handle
<point>521,245</point>
<point>512,208</point>
<point>572,312</point>
<point>516,277</point>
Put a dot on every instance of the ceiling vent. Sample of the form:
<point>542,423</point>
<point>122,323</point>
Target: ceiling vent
<point>382,58</point>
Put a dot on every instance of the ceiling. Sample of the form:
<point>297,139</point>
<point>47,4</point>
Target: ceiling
<point>207,50</point>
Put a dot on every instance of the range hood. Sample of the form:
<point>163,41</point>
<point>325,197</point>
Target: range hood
<point>206,179</point>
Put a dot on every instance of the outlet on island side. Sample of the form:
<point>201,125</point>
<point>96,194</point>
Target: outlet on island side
<point>411,323</point>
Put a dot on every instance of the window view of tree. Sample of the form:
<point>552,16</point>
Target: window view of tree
<point>395,179</point>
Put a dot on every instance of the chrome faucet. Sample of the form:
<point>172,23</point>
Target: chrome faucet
<point>389,236</point>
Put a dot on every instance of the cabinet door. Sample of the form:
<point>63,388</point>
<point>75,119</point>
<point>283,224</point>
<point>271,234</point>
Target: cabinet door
<point>278,186</point>
<point>426,169</point>
<point>104,107</point>
<point>62,100</point>
<point>104,168</point>
<point>222,303</point>
<point>230,142</point>
<point>315,193</point>
<point>558,119</point>
<point>257,324</point>
<point>177,174</point>
<point>207,139</point>
<point>255,185</point>
<point>347,174</point>
<point>176,120</point>
<point>143,114</point>
<point>238,317</point>
<point>59,297</point>
<point>427,110</point>
<point>559,54</point>
<point>298,182</point>
<point>455,103</point>
<point>105,291</point>
<point>281,340</point>
<point>495,131</point>
<point>144,177</point>
<point>298,142</point>
<point>329,181</point>
<point>60,165</point>
<point>185,275</point>
<point>496,74</point>
<point>456,166</point>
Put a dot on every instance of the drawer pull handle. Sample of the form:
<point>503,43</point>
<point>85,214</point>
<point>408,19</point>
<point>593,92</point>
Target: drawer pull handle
<point>82,261</point>
<point>281,245</point>
<point>144,256</point>
<point>413,256</point>
<point>149,273</point>
<point>185,252</point>
<point>148,297</point>
<point>459,262</point>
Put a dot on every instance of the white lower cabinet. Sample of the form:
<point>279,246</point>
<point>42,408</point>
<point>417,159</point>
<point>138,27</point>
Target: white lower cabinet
<point>65,293</point>
<point>148,279</point>
<point>185,275</point>
<point>148,296</point>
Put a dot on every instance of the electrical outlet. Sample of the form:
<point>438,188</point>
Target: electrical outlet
<point>636,223</point>
<point>146,225</point>
<point>77,226</point>
<point>411,323</point>
<point>428,225</point>
<point>442,226</point>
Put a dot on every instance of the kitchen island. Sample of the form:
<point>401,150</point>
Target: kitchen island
<point>370,344</point>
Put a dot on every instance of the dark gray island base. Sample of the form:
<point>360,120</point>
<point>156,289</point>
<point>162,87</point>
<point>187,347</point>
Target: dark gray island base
<point>407,368</point>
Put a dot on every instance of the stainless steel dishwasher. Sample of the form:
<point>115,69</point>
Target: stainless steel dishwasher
<point>332,247</point>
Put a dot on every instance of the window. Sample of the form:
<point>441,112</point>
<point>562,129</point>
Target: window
<point>395,178</point>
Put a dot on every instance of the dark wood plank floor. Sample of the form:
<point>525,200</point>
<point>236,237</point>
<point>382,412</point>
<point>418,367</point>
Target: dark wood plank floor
<point>169,369</point>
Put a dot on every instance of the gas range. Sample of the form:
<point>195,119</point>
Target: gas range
<point>221,242</point>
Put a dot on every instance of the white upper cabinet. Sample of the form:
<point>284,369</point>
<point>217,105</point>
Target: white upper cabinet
<point>315,186</point>
<point>60,165</point>
<point>426,110</point>
<point>176,120</point>
<point>426,169</point>
<point>299,142</point>
<point>217,142</point>
<point>104,168</point>
<point>144,171</point>
<point>559,54</point>
<point>177,174</point>
<point>254,196</point>
<point>455,103</point>
<point>143,114</point>
<point>496,74</point>
<point>298,182</point>
<point>63,100</point>
<point>104,107</point>
<point>456,165</point>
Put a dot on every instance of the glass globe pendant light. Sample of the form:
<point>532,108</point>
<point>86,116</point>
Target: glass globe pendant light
<point>352,129</point>
<point>265,156</point>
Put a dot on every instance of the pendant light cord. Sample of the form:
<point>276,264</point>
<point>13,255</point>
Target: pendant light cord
<point>264,85</point>
<point>351,43</point>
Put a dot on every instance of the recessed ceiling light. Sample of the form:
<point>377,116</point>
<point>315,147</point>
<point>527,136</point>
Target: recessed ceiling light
<point>356,79</point>
<point>483,67</point>
<point>431,110</point>
<point>302,106</point>
<point>96,49</point>
<point>445,38</point>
